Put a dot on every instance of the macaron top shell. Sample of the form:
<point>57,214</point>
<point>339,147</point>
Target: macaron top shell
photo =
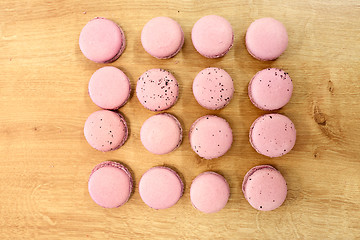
<point>105,130</point>
<point>264,188</point>
<point>266,39</point>
<point>270,89</point>
<point>212,36</point>
<point>273,135</point>
<point>210,136</point>
<point>157,89</point>
<point>110,184</point>
<point>162,37</point>
<point>160,187</point>
<point>161,134</point>
<point>101,40</point>
<point>213,88</point>
<point>109,88</point>
<point>209,192</point>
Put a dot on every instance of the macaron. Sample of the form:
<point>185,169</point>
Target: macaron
<point>106,130</point>
<point>272,135</point>
<point>102,40</point>
<point>160,187</point>
<point>209,192</point>
<point>110,184</point>
<point>270,89</point>
<point>264,188</point>
<point>162,37</point>
<point>210,136</point>
<point>109,88</point>
<point>212,36</point>
<point>157,89</point>
<point>213,88</point>
<point>161,134</point>
<point>266,39</point>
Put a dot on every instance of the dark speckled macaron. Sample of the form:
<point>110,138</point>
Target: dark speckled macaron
<point>157,89</point>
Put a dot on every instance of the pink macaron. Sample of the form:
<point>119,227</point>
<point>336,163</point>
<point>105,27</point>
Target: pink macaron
<point>213,88</point>
<point>157,89</point>
<point>161,134</point>
<point>102,40</point>
<point>264,188</point>
<point>266,39</point>
<point>210,136</point>
<point>110,184</point>
<point>160,187</point>
<point>162,37</point>
<point>212,36</point>
<point>270,89</point>
<point>106,130</point>
<point>272,135</point>
<point>109,88</point>
<point>209,192</point>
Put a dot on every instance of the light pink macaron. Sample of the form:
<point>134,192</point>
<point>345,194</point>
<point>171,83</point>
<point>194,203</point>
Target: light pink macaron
<point>157,89</point>
<point>212,36</point>
<point>160,187</point>
<point>209,192</point>
<point>102,40</point>
<point>213,88</point>
<point>266,39</point>
<point>210,136</point>
<point>162,37</point>
<point>161,134</point>
<point>110,184</point>
<point>270,89</point>
<point>264,188</point>
<point>272,135</point>
<point>109,88</point>
<point>106,130</point>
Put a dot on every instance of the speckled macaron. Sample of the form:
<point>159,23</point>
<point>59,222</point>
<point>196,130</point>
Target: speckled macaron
<point>272,135</point>
<point>210,136</point>
<point>161,134</point>
<point>157,89</point>
<point>264,188</point>
<point>160,187</point>
<point>109,88</point>
<point>266,39</point>
<point>106,130</point>
<point>110,184</point>
<point>270,89</point>
<point>212,36</point>
<point>162,37</point>
<point>213,88</point>
<point>209,192</point>
<point>102,40</point>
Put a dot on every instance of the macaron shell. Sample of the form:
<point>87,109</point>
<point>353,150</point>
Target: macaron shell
<point>212,36</point>
<point>270,89</point>
<point>264,188</point>
<point>161,134</point>
<point>210,136</point>
<point>110,184</point>
<point>160,187</point>
<point>102,40</point>
<point>109,88</point>
<point>266,39</point>
<point>162,37</point>
<point>209,192</point>
<point>272,135</point>
<point>157,89</point>
<point>105,130</point>
<point>213,88</point>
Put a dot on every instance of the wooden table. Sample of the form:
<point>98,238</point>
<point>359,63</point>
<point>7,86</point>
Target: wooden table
<point>46,161</point>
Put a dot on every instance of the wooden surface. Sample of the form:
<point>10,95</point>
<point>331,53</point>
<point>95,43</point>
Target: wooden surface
<point>46,161</point>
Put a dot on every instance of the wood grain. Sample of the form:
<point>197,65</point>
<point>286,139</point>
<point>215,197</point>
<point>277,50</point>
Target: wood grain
<point>45,160</point>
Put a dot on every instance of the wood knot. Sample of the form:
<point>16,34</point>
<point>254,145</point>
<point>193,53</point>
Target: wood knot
<point>331,86</point>
<point>319,117</point>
